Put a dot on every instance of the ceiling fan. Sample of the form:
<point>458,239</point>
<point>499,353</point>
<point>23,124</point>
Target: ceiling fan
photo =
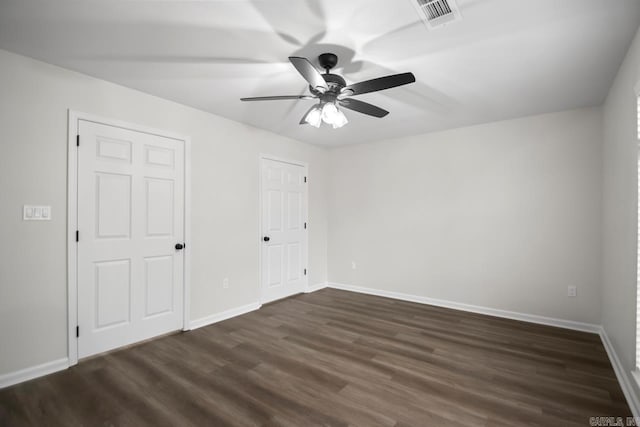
<point>332,90</point>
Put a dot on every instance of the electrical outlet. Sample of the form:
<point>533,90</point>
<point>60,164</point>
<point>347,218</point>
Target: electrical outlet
<point>572,291</point>
<point>353,265</point>
<point>225,283</point>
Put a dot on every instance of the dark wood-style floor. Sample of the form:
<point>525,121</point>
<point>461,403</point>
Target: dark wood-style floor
<point>335,358</point>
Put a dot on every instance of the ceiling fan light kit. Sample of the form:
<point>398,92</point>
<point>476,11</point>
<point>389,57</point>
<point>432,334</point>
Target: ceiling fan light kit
<point>332,91</point>
<point>328,113</point>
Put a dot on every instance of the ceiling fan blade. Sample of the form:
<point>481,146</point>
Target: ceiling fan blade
<point>363,107</point>
<point>277,98</point>
<point>309,72</point>
<point>381,83</point>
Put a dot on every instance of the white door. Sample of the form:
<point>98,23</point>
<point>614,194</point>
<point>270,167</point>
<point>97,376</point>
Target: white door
<point>130,218</point>
<point>284,233</point>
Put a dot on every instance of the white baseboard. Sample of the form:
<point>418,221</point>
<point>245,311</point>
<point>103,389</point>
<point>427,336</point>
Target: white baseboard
<point>532,318</point>
<point>624,378</point>
<point>228,314</point>
<point>316,287</point>
<point>27,374</point>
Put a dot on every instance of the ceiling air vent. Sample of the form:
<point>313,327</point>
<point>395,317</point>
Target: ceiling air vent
<point>437,13</point>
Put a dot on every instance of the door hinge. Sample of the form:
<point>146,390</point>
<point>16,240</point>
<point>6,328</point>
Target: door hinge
<point>78,140</point>
<point>77,235</point>
<point>77,331</point>
<point>305,179</point>
<point>305,271</point>
<point>305,225</point>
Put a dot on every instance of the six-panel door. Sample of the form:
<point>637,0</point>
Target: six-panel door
<point>130,216</point>
<point>284,193</point>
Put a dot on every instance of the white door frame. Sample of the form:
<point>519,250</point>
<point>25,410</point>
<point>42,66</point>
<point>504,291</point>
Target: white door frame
<point>72,218</point>
<point>305,204</point>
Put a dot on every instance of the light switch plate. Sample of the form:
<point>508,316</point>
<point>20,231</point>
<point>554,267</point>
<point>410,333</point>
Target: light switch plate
<point>36,213</point>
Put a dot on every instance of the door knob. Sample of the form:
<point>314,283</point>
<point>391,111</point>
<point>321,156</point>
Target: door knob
<point>179,246</point>
<point>266,238</point>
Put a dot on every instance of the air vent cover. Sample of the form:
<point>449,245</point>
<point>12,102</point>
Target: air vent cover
<point>437,13</point>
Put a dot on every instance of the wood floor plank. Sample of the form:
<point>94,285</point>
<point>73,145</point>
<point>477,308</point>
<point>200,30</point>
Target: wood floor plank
<point>335,358</point>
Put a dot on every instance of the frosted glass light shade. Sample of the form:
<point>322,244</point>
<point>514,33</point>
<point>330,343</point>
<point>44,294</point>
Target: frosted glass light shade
<point>314,117</point>
<point>339,120</point>
<point>329,113</point>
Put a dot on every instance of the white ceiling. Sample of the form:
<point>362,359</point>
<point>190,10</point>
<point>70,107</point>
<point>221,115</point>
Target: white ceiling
<point>505,59</point>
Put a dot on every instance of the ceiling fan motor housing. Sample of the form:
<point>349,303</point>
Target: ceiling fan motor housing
<point>334,81</point>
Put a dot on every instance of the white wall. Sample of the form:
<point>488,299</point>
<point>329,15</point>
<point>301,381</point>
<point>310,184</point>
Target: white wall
<point>34,98</point>
<point>620,205</point>
<point>503,215</point>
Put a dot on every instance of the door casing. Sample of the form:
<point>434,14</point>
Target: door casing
<point>72,219</point>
